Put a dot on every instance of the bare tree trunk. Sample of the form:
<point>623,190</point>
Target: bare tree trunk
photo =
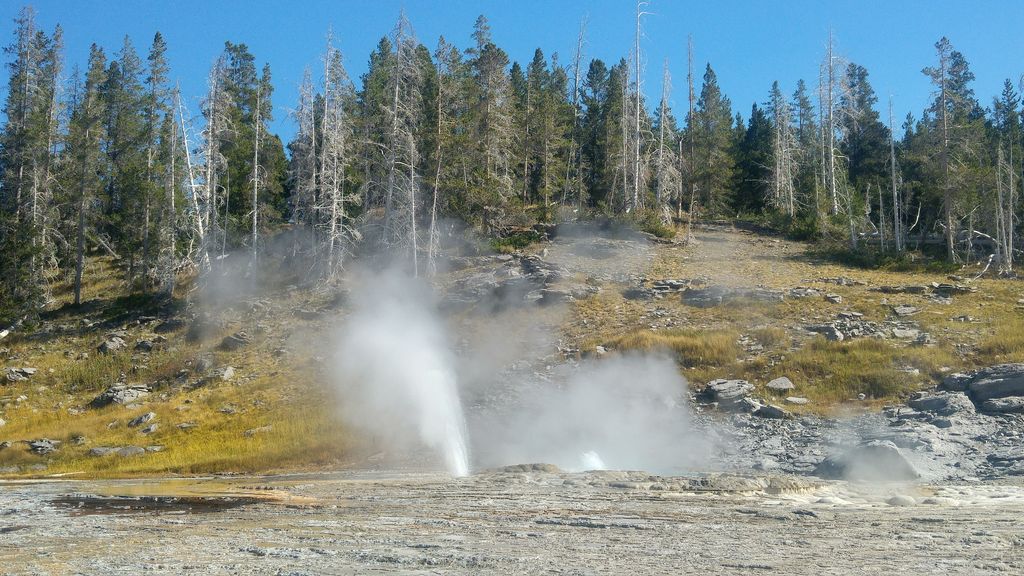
<point>256,176</point>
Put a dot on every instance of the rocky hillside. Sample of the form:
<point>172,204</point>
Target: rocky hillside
<point>775,343</point>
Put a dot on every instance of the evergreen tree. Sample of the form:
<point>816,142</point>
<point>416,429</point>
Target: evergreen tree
<point>85,131</point>
<point>27,161</point>
<point>713,138</point>
<point>753,161</point>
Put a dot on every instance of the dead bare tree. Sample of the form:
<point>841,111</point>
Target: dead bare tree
<point>668,176</point>
<point>400,147</point>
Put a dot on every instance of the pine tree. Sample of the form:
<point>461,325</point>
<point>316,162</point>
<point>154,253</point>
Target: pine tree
<point>27,160</point>
<point>712,139</point>
<point>85,132</point>
<point>490,108</point>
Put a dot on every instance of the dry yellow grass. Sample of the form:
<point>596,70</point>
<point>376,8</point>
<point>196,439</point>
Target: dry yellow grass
<point>690,348</point>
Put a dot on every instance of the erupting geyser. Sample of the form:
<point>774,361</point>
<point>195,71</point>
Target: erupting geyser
<point>395,371</point>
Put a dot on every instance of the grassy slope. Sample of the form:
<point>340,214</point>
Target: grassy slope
<point>281,392</point>
<point>286,393</point>
<point>706,341</point>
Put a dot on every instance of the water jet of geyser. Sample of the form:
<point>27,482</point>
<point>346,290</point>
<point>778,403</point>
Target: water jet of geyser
<point>395,371</point>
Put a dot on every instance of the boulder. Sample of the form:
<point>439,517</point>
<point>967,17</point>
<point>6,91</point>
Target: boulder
<point>781,385</point>
<point>172,325</point>
<point>834,298</point>
<point>112,344</point>
<point>876,461</point>
<point>101,451</point>
<point>141,419</point>
<point>151,428</point>
<point>1007,405</point>
<point>727,392</point>
<point>906,333</point>
<point>904,310</point>
<point>942,403</point>
<point>797,400</point>
<point>998,381</point>
<point>830,332</point>
<point>128,451</point>
<point>236,341</point>
<point>43,446</point>
<point>121,394</point>
<point>772,412</point>
<point>18,374</point>
<point>144,346</point>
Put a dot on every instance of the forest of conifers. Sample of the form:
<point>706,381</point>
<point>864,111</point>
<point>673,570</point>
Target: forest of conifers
<point>107,160</point>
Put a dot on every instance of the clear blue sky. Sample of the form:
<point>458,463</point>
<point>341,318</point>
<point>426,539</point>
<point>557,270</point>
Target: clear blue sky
<point>748,43</point>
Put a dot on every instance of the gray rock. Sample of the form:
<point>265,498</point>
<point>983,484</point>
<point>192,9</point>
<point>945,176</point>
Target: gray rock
<point>3,422</point>
<point>236,341</point>
<point>781,384</point>
<point>942,403</point>
<point>151,428</point>
<point>112,344</point>
<point>259,430</point>
<point>1007,405</point>
<point>43,446</point>
<point>998,381</point>
<point>904,310</point>
<point>141,419</point>
<point>772,412</point>
<point>129,451</point>
<point>18,374</point>
<point>797,400</point>
<point>102,451</point>
<point>144,346</point>
<point>834,298</point>
<point>727,392</point>
<point>830,332</point>
<point>906,333</point>
<point>877,461</point>
<point>121,394</point>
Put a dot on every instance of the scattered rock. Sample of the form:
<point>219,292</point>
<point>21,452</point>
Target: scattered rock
<point>144,346</point>
<point>18,374</point>
<point>129,451</point>
<point>906,333</point>
<point>3,422</point>
<point>915,289</point>
<point>727,392</point>
<point>259,430</point>
<point>877,461</point>
<point>101,451</point>
<point>997,381</point>
<point>203,364</point>
<point>121,394</point>
<point>236,341</point>
<point>150,429</point>
<point>797,400</point>
<point>112,344</point>
<point>718,295</point>
<point>141,419</point>
<point>773,412</point>
<point>942,403</point>
<point>904,310</point>
<point>172,325</point>
<point>830,332</point>
<point>803,292</point>
<point>43,446</point>
<point>1007,405</point>
<point>781,384</point>
<point>834,298</point>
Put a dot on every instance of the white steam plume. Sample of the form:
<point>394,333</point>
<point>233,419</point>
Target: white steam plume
<point>395,371</point>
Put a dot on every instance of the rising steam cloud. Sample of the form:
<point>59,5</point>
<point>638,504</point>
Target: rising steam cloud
<point>395,371</point>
